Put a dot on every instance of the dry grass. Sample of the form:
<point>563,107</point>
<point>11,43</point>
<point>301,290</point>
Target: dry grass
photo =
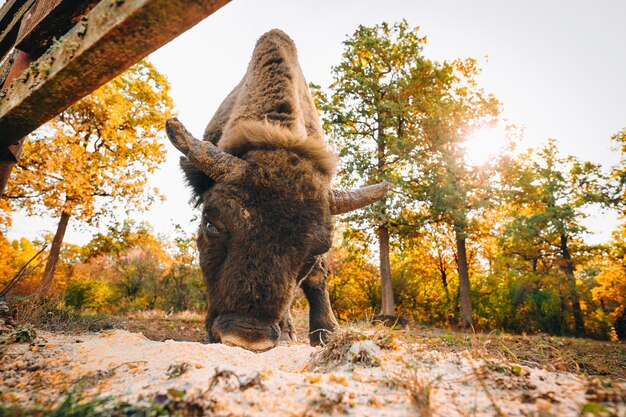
<point>186,315</point>
<point>177,369</point>
<point>46,314</point>
<point>74,404</point>
<point>426,376</point>
<point>336,351</point>
<point>552,353</point>
<point>590,357</point>
<point>241,383</point>
<point>419,386</point>
<point>482,375</point>
<point>27,311</point>
<point>420,390</point>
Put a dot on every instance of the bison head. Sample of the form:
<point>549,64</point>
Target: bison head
<point>266,217</point>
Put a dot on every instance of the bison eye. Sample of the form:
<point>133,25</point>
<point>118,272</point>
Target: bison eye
<point>211,230</point>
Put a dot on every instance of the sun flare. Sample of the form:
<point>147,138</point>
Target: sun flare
<point>484,144</point>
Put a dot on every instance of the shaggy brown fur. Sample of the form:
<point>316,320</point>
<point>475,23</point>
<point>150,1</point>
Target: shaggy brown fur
<point>273,89</point>
<point>276,221</point>
<point>248,134</point>
<point>263,232</point>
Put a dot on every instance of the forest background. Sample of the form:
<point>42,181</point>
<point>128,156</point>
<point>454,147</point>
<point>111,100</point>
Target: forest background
<point>498,244</point>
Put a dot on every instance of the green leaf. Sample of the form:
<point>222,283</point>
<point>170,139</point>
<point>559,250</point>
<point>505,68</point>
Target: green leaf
<point>176,393</point>
<point>594,408</point>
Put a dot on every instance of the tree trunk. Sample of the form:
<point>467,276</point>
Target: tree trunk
<point>568,268</point>
<point>562,320</point>
<point>465,319</point>
<point>53,258</point>
<point>444,280</point>
<point>181,303</point>
<point>603,306</point>
<point>388,306</point>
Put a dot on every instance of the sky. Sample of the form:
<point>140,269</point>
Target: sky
<point>558,67</point>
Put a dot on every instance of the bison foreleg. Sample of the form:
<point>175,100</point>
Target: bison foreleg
<point>321,318</point>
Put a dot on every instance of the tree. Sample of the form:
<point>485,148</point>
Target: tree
<point>141,271</point>
<point>399,117</point>
<point>454,193</point>
<point>611,291</point>
<point>353,286</point>
<point>130,267</point>
<point>549,194</point>
<point>425,260</point>
<point>368,119</point>
<point>100,149</point>
<point>119,238</point>
<point>15,256</point>
<point>185,271</point>
<point>615,189</point>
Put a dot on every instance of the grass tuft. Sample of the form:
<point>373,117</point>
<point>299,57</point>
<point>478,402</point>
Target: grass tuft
<point>419,389</point>
<point>352,346</point>
<point>49,315</point>
<point>177,369</point>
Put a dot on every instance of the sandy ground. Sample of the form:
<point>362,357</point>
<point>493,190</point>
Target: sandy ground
<point>377,377</point>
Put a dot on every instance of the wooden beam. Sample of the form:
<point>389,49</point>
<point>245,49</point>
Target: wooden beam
<point>8,8</point>
<point>49,19</point>
<point>10,24</point>
<point>111,37</point>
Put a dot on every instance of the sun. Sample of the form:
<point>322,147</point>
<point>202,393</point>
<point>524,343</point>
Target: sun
<point>484,144</point>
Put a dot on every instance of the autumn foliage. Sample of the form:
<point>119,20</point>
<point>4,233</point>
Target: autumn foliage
<point>128,268</point>
<point>499,246</point>
<point>92,161</point>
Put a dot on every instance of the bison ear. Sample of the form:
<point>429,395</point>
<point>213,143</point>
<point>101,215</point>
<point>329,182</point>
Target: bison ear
<point>196,179</point>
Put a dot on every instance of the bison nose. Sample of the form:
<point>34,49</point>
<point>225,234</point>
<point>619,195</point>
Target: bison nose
<point>252,334</point>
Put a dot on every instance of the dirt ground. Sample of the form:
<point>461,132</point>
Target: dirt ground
<point>183,327</point>
<point>364,370</point>
<point>591,357</point>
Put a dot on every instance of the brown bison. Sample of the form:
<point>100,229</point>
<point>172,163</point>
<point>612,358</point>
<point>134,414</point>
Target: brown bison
<point>262,174</point>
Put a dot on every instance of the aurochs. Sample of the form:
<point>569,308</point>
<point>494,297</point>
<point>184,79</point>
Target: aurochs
<point>262,174</point>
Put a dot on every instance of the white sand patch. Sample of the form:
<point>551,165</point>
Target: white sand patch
<point>277,383</point>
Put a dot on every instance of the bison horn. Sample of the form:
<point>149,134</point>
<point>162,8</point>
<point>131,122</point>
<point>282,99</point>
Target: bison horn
<point>342,201</point>
<point>204,155</point>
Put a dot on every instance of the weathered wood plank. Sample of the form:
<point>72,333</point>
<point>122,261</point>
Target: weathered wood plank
<point>10,25</point>
<point>49,19</point>
<point>5,66</point>
<point>7,9</point>
<point>111,37</point>
<point>44,21</point>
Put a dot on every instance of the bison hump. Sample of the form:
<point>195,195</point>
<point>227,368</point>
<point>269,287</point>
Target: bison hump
<point>273,90</point>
